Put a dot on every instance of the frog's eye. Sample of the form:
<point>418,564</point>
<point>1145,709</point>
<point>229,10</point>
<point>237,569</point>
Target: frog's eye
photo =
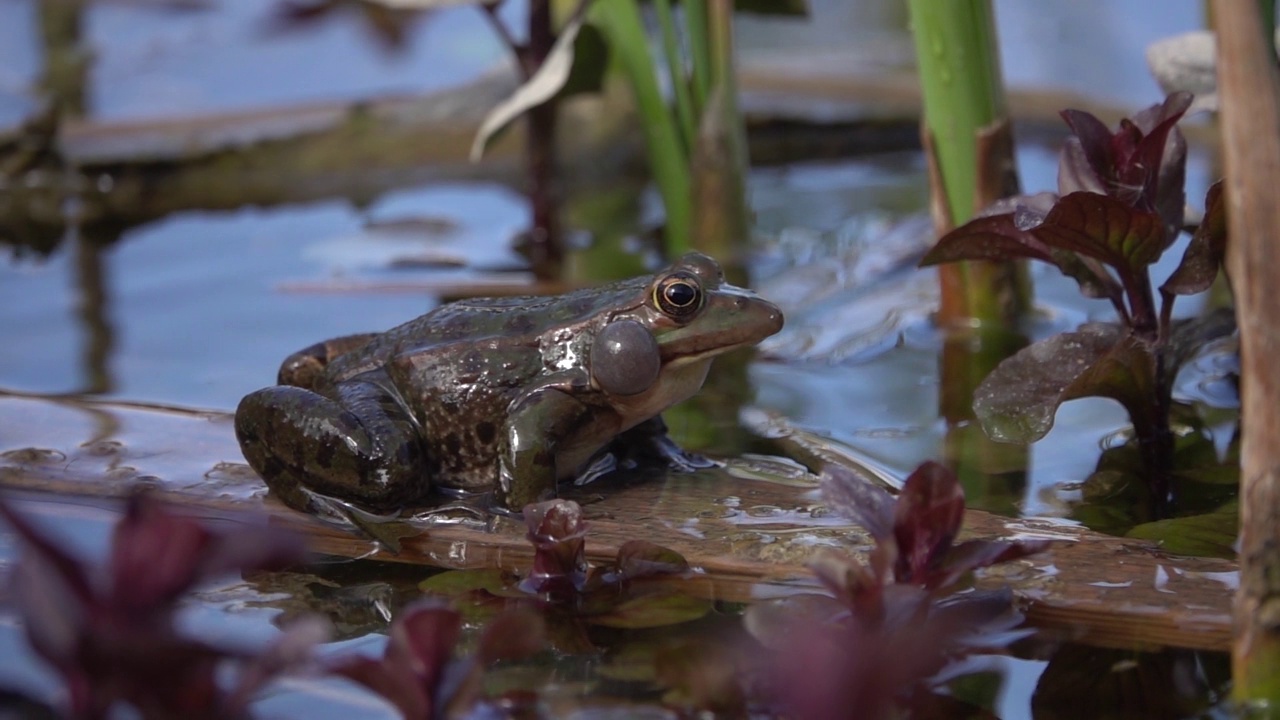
<point>678,295</point>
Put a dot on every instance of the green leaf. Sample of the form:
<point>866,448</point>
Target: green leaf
<point>452,583</point>
<point>641,558</point>
<point>1104,228</point>
<point>1209,535</point>
<point>1200,263</point>
<point>656,610</point>
<point>1018,400</point>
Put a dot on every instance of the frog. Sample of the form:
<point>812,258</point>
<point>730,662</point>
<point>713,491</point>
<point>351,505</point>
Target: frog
<point>505,395</point>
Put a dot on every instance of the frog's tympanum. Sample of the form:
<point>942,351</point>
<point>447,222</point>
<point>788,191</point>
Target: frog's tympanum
<point>503,394</point>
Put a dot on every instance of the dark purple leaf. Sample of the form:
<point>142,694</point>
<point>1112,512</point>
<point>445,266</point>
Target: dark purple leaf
<point>1142,164</point>
<point>855,670</point>
<point>294,648</point>
<point>926,519</point>
<point>512,635</point>
<point>1017,401</point>
<point>1159,163</point>
<point>422,640</point>
<point>641,558</point>
<point>774,622</point>
<point>558,534</point>
<point>1089,274</point>
<point>986,618</point>
<point>1094,141</point>
<point>857,587</point>
<point>60,563</point>
<point>1104,228</point>
<point>155,555</point>
<point>113,639</point>
<point>1203,258</point>
<point>858,498</point>
<point>995,237</point>
<point>1074,171</point>
<point>969,556</point>
<point>392,684</point>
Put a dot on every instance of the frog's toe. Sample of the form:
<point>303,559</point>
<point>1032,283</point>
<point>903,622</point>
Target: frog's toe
<point>682,460</point>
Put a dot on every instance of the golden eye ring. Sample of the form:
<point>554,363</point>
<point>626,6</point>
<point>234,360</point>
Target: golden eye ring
<point>678,295</point>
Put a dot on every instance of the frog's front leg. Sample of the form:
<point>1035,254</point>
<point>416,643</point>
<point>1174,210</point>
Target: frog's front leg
<point>649,444</point>
<point>360,444</point>
<point>539,425</point>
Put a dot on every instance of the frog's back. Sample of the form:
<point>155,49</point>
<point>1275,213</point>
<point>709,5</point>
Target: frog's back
<point>519,321</point>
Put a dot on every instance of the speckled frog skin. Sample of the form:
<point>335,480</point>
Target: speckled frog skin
<point>502,394</point>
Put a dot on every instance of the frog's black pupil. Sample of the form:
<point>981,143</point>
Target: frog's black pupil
<point>681,294</point>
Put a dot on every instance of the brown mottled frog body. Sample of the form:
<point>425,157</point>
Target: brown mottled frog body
<point>506,394</point>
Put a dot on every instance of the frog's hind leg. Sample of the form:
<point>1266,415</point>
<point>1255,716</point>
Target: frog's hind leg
<point>303,368</point>
<point>360,445</point>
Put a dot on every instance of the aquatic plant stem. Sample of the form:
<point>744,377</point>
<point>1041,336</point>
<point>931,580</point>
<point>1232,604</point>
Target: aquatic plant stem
<point>544,245</point>
<point>695,18</point>
<point>675,71</point>
<point>966,135</point>
<point>718,164</point>
<point>620,21</point>
<point>1249,86</point>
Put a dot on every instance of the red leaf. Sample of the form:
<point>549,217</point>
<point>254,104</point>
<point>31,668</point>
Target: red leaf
<point>558,534</point>
<point>1104,228</point>
<point>969,556</point>
<point>155,556</point>
<point>1094,140</point>
<point>422,639</point>
<point>926,519</point>
<point>412,702</point>
<point>858,498</point>
<point>994,237</point>
<point>1203,258</point>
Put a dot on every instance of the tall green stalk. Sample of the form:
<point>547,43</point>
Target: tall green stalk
<point>959,67</point>
<point>970,153</point>
<point>620,21</point>
<point>697,146</point>
<point>675,72</point>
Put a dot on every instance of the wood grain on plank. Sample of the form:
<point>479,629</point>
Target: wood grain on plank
<point>752,538</point>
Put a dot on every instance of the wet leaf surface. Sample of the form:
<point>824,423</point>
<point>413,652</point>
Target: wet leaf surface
<point>710,521</point>
<point>1212,534</point>
<point>1105,229</point>
<point>656,610</point>
<point>1204,255</point>
<point>1018,400</point>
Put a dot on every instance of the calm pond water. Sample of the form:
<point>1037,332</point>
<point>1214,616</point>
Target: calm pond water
<point>198,308</point>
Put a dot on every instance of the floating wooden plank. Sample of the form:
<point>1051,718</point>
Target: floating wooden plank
<point>751,537</point>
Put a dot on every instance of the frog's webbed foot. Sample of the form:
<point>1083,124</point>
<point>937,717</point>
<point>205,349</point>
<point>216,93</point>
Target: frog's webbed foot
<point>648,443</point>
<point>600,465</point>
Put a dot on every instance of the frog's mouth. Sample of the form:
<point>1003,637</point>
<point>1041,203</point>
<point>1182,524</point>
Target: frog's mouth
<point>709,353</point>
<point>737,320</point>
